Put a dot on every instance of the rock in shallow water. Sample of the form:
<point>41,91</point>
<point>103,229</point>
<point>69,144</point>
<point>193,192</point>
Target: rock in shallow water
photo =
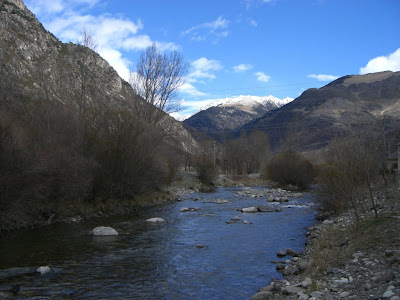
<point>155,220</point>
<point>43,270</point>
<point>102,230</point>
<point>249,209</point>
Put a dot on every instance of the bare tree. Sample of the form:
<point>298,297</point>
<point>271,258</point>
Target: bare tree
<point>157,79</point>
<point>88,40</point>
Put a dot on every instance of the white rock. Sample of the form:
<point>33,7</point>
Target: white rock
<point>102,230</point>
<point>43,270</point>
<point>250,209</point>
<point>395,298</point>
<point>342,280</point>
<point>184,209</point>
<point>155,220</point>
<point>344,294</point>
<point>306,282</point>
<point>388,294</point>
<point>302,296</point>
<point>221,201</point>
<point>390,287</point>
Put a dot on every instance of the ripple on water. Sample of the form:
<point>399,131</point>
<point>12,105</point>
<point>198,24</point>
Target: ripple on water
<point>149,261</point>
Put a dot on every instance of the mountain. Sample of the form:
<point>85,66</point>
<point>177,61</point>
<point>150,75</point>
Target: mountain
<point>222,117</point>
<point>36,66</point>
<point>343,105</point>
<point>71,132</point>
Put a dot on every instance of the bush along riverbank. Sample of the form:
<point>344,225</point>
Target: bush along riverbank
<point>45,212</point>
<point>345,260</point>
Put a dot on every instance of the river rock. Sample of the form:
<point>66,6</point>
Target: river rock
<point>102,230</point>
<point>263,296</point>
<point>291,252</point>
<point>155,220</point>
<point>234,220</point>
<point>290,270</point>
<point>292,290</point>
<point>303,265</point>
<point>43,270</point>
<point>280,267</point>
<point>388,294</point>
<point>268,209</point>
<point>221,201</point>
<point>306,282</point>
<point>281,253</point>
<point>249,209</point>
<point>187,209</point>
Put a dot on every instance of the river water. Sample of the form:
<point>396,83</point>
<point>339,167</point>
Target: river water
<point>160,261</point>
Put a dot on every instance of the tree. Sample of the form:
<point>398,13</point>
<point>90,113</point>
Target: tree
<point>157,79</point>
<point>290,168</point>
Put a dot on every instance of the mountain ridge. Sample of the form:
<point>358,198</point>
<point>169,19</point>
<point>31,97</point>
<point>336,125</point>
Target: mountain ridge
<point>335,109</point>
<point>220,118</point>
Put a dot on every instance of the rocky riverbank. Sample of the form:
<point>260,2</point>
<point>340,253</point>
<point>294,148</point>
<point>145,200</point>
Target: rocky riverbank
<point>345,260</point>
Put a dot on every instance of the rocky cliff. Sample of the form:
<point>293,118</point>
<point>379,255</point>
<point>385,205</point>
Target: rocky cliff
<point>36,66</point>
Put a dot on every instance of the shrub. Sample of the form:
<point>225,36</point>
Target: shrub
<point>290,168</point>
<point>206,171</point>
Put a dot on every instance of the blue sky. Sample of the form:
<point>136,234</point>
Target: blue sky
<point>238,47</point>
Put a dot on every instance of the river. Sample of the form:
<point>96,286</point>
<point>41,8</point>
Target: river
<point>160,261</point>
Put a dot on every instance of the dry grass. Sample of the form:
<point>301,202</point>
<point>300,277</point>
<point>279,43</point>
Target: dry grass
<point>370,235</point>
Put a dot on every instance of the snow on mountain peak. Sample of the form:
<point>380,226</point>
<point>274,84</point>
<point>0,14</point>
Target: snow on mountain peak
<point>248,101</point>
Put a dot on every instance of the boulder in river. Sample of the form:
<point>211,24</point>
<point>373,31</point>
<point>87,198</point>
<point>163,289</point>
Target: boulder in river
<point>291,252</point>
<point>155,220</point>
<point>102,230</point>
<point>268,209</point>
<point>221,201</point>
<point>43,270</point>
<point>186,209</point>
<point>249,209</point>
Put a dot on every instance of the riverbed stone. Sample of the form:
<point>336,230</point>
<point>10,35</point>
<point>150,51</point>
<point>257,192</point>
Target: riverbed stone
<point>103,230</point>
<point>268,209</point>
<point>292,290</point>
<point>155,220</point>
<point>221,201</point>
<point>249,209</point>
<point>291,252</point>
<point>43,270</point>
<point>281,253</point>
<point>306,282</point>
<point>388,294</point>
<point>263,296</point>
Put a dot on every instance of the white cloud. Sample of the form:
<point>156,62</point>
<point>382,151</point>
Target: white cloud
<point>204,68</point>
<point>66,19</point>
<point>253,23</point>
<point>242,68</point>
<point>323,77</point>
<point>190,90</point>
<point>216,29</point>
<point>116,60</point>
<point>390,62</point>
<point>262,76</point>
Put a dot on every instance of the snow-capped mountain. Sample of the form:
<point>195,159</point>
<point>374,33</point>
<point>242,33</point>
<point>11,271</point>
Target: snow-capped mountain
<point>220,117</point>
<point>248,101</point>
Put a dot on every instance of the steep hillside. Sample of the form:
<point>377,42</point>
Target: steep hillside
<point>222,117</point>
<point>318,115</point>
<point>35,65</point>
<point>71,136</point>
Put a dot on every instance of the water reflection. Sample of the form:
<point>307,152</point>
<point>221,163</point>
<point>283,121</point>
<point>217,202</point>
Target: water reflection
<point>148,261</point>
